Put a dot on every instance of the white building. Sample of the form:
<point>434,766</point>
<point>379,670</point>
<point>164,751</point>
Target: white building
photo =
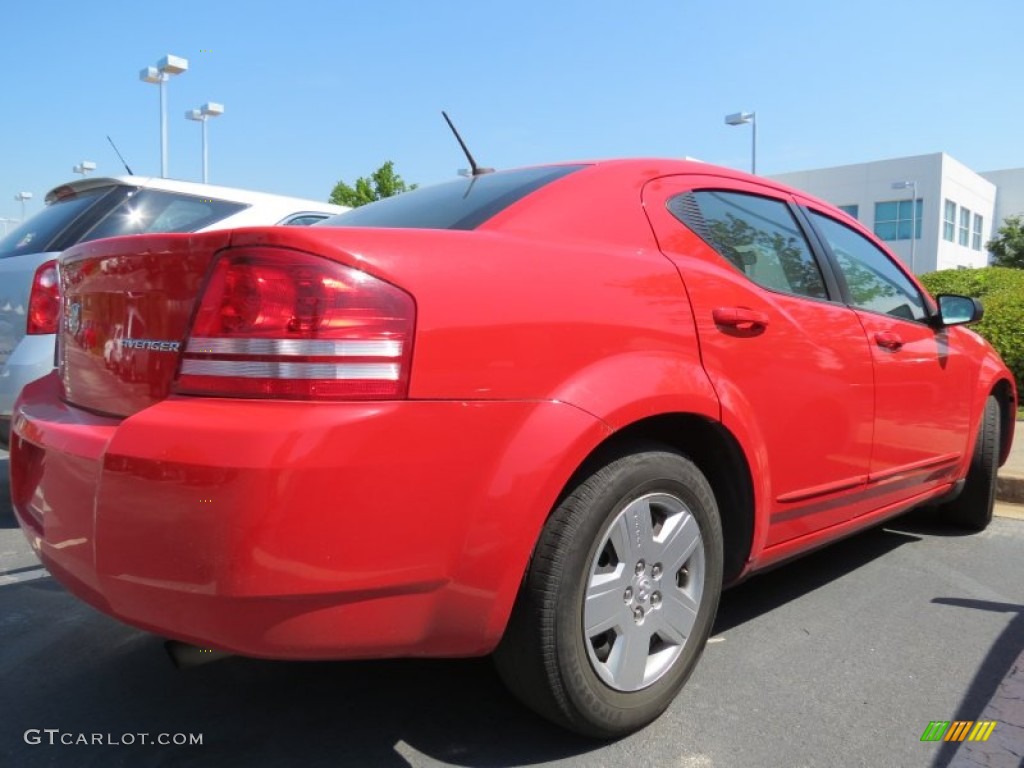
<point>957,211</point>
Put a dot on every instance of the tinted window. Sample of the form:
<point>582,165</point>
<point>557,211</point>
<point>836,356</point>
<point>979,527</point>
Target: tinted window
<point>757,235</point>
<point>461,204</point>
<point>38,233</point>
<point>152,210</point>
<point>306,219</point>
<point>874,281</point>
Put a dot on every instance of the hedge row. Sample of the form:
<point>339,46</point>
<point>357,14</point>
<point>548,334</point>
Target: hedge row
<point>1001,291</point>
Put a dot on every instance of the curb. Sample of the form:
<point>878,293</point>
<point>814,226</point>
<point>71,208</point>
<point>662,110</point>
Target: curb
<point>1010,487</point>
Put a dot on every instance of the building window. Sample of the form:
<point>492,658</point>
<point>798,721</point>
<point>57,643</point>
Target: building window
<point>965,226</point>
<point>894,219</point>
<point>949,221</point>
<point>850,210</point>
<point>979,222</point>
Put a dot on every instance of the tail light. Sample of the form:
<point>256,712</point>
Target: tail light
<point>44,301</point>
<point>279,323</point>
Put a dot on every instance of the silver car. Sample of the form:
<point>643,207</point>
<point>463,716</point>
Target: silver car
<point>88,209</point>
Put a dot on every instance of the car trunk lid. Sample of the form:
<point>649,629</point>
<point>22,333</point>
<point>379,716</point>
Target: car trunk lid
<point>127,305</point>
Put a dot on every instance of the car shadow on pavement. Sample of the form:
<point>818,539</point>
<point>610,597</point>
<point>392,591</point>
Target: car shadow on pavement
<point>86,673</point>
<point>90,674</point>
<point>928,520</point>
<point>767,591</point>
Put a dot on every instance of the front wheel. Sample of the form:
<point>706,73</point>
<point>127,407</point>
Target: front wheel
<point>620,596</point>
<point>972,509</point>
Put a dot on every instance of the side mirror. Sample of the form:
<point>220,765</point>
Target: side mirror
<point>958,310</point>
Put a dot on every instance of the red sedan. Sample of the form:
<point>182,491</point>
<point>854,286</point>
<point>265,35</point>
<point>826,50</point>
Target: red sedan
<point>546,413</point>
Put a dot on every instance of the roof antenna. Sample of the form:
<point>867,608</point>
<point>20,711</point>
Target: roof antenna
<point>475,169</point>
<point>119,157</point>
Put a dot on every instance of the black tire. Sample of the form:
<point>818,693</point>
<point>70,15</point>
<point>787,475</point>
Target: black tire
<point>972,509</point>
<point>545,657</point>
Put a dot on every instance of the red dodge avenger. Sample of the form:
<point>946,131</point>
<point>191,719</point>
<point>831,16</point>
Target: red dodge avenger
<point>544,413</point>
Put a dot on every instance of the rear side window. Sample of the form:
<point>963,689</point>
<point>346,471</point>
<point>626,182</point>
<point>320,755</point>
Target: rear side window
<point>757,235</point>
<point>156,211</point>
<point>873,280</point>
<point>39,233</point>
<point>461,204</point>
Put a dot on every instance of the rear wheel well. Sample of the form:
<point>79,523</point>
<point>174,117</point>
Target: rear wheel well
<point>1004,395</point>
<point>718,456</point>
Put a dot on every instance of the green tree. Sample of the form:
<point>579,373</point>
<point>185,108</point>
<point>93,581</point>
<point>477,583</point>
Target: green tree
<point>383,182</point>
<point>1008,245</point>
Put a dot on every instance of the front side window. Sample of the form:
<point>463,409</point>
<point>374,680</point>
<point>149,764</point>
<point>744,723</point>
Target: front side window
<point>875,283</point>
<point>757,235</point>
<point>949,221</point>
<point>305,219</point>
<point>896,219</point>
<point>965,226</point>
<point>979,223</point>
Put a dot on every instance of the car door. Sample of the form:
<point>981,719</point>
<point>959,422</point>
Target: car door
<point>789,361</point>
<point>923,379</point>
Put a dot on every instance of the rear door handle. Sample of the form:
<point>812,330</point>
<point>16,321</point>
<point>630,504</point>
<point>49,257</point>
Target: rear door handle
<point>740,317</point>
<point>888,340</point>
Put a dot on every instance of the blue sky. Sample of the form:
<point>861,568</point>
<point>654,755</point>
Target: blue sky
<point>320,91</point>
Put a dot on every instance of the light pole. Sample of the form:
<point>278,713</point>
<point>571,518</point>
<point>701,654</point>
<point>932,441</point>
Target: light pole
<point>204,113</point>
<point>159,75</point>
<point>911,185</point>
<point>23,196</point>
<point>5,222</point>
<point>84,168</point>
<point>741,118</point>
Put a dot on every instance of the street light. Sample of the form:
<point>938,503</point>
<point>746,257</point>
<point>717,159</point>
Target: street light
<point>23,196</point>
<point>742,118</point>
<point>159,75</point>
<point>911,185</point>
<point>5,222</point>
<point>84,167</point>
<point>204,113</point>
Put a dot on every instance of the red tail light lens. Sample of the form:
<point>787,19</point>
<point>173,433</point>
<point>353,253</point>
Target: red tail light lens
<point>44,301</point>
<point>279,323</point>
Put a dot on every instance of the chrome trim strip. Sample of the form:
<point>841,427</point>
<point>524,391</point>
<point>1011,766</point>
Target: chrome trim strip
<point>295,347</point>
<point>265,370</point>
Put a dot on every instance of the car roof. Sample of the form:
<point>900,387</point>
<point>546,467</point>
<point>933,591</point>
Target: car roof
<point>198,189</point>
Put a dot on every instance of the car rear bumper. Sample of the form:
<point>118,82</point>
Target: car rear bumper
<point>295,530</point>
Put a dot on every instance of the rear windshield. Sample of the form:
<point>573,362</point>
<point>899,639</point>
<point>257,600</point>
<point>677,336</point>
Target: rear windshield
<point>461,204</point>
<point>40,233</point>
<point>153,211</point>
<point>110,212</point>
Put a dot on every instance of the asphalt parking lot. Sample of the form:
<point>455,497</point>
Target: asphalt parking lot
<point>839,659</point>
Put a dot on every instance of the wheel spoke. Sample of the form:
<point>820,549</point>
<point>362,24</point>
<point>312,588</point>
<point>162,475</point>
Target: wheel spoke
<point>640,530</point>
<point>677,616</point>
<point>605,606</point>
<point>680,542</point>
<point>628,660</point>
<point>622,540</point>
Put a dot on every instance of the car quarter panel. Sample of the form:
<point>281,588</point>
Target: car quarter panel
<point>510,317</point>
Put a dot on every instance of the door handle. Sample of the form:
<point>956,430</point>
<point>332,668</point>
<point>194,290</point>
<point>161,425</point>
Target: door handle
<point>740,317</point>
<point>888,340</point>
